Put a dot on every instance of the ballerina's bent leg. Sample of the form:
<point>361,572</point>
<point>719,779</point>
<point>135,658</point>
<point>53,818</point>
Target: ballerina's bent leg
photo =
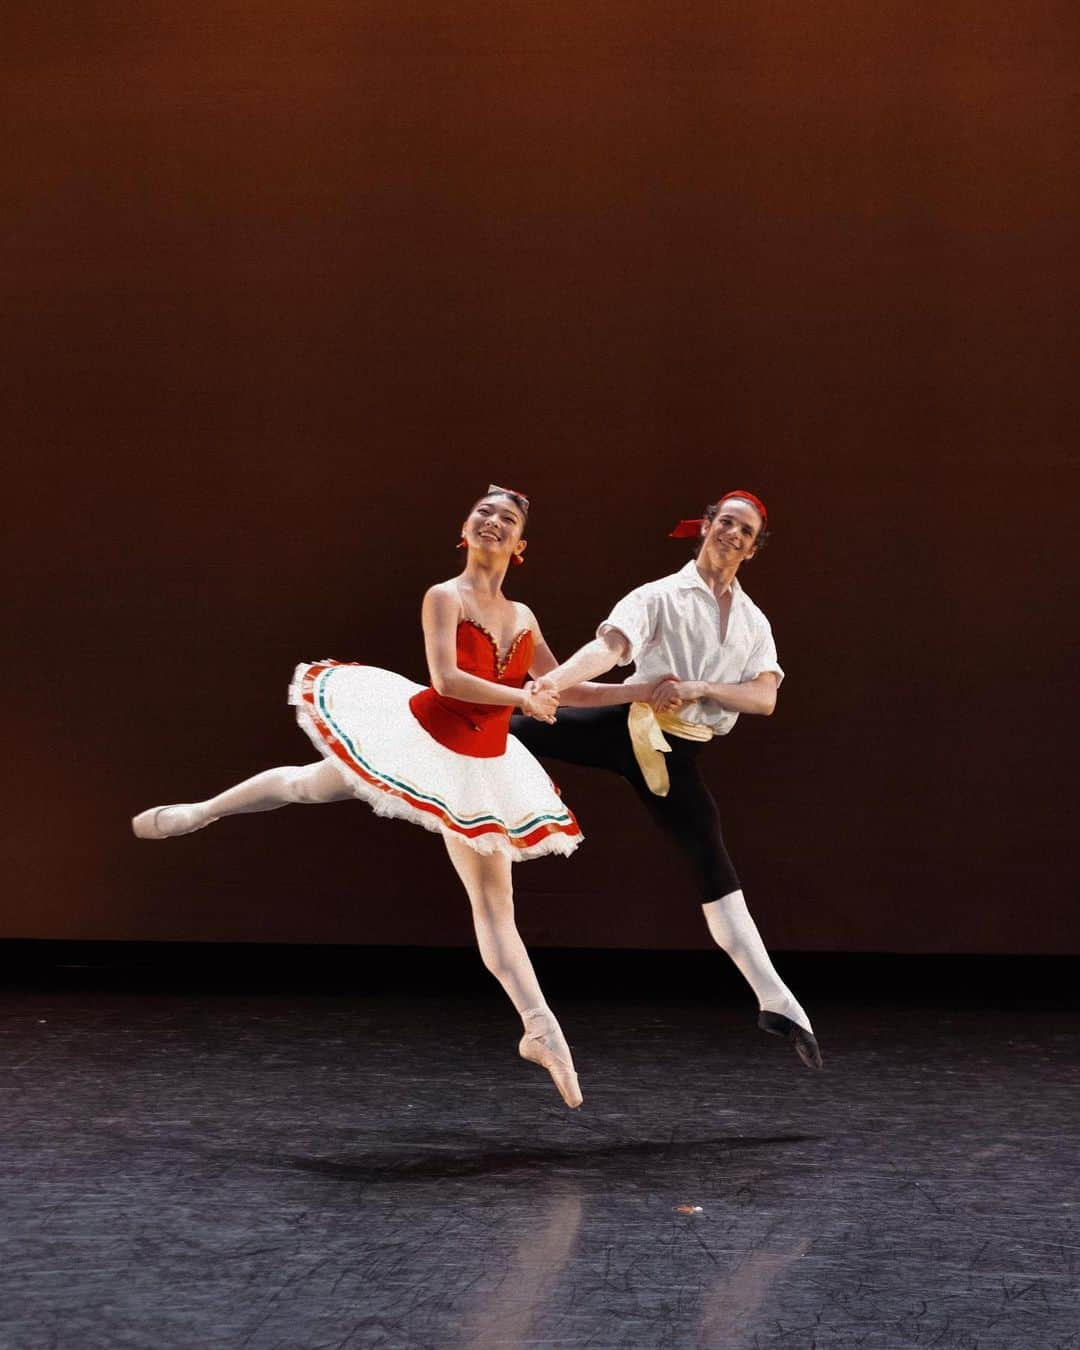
<point>486,878</point>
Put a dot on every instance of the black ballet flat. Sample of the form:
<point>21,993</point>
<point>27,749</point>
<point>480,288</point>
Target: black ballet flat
<point>805,1042</point>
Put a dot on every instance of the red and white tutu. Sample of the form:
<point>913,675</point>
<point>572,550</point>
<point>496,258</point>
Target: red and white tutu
<point>361,717</point>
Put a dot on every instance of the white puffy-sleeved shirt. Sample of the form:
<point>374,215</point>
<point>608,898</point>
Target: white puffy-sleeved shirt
<point>673,628</point>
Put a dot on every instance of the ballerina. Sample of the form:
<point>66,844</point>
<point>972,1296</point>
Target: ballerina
<point>440,757</point>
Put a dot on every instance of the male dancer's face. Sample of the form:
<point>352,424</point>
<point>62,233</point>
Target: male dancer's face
<point>730,537</point>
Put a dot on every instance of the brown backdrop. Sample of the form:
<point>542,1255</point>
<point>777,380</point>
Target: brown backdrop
<point>286,283</point>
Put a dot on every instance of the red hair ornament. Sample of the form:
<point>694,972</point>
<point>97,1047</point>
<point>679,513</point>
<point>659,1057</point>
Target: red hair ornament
<point>690,529</point>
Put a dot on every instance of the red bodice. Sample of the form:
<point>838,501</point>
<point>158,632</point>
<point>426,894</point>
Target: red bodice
<point>476,729</point>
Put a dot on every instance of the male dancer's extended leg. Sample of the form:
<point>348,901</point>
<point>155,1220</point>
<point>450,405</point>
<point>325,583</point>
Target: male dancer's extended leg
<point>689,816</point>
<point>308,785</point>
<point>486,878</point>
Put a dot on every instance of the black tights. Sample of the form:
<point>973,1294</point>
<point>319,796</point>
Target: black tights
<point>597,738</point>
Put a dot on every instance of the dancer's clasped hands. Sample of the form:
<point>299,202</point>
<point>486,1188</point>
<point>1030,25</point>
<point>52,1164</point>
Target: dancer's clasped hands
<point>669,694</point>
<point>541,700</point>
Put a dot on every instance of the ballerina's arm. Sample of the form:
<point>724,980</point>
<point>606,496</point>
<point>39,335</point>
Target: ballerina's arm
<point>439,615</point>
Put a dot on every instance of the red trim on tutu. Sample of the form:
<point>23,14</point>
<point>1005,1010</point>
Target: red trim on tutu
<point>534,837</point>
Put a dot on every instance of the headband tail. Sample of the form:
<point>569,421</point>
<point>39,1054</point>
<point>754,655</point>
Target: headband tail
<point>687,529</point>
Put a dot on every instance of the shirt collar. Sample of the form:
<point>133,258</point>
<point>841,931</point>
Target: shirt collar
<point>689,578</point>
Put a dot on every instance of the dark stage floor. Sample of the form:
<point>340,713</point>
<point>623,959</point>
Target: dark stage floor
<point>274,1170</point>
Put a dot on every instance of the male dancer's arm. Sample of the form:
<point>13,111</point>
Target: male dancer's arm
<point>668,694</point>
<point>755,693</point>
<point>756,696</point>
<point>595,658</point>
<point>572,680</point>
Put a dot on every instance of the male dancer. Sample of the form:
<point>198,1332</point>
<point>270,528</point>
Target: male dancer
<point>700,629</point>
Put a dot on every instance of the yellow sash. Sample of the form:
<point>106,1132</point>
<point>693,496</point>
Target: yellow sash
<point>647,737</point>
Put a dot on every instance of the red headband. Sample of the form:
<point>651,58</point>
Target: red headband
<point>688,529</point>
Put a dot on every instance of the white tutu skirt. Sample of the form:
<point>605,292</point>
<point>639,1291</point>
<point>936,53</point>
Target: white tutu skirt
<point>359,716</point>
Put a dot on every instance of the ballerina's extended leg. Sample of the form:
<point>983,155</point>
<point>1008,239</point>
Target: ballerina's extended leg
<point>308,785</point>
<point>486,878</point>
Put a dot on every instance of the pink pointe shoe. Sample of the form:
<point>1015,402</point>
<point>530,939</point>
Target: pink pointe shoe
<point>154,824</point>
<point>540,1026</point>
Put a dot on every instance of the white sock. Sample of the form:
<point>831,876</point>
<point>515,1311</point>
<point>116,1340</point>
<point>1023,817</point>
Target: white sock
<point>733,929</point>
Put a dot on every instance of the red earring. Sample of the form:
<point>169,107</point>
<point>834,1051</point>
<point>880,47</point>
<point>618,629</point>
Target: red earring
<point>461,543</point>
<point>516,559</point>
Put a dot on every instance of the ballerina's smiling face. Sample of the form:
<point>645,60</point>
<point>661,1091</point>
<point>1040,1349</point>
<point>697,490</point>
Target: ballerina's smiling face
<point>495,526</point>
